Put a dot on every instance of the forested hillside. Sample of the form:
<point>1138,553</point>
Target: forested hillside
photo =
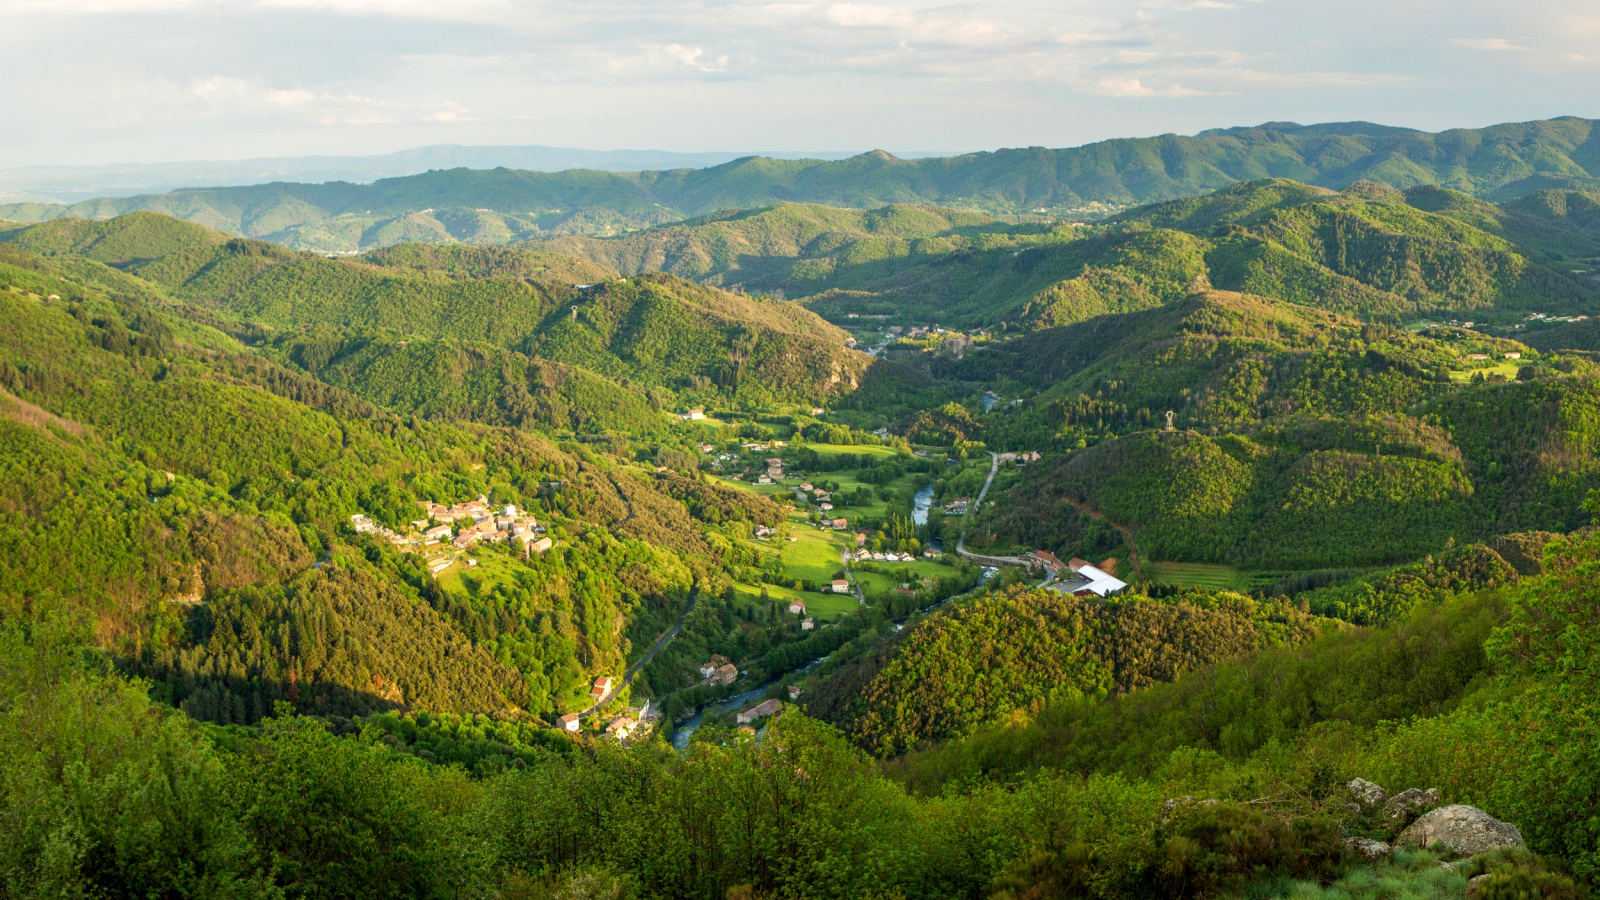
<point>493,318</point>
<point>1015,653</point>
<point>503,205</point>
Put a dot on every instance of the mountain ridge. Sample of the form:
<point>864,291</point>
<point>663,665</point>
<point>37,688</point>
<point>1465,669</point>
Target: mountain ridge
<point>1498,162</point>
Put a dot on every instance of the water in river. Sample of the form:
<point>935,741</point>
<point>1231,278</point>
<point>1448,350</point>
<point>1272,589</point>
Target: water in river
<point>921,505</point>
<point>680,738</point>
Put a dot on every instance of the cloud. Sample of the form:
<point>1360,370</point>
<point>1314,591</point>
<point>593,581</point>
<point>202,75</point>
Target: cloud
<point>1134,87</point>
<point>446,10</point>
<point>1492,44</point>
<point>95,6</point>
<point>293,97</point>
<point>861,15</point>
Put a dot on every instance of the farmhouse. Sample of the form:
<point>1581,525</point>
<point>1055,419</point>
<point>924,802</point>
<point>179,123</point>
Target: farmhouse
<point>569,722</point>
<point>797,607</point>
<point>727,674</point>
<point>840,586</point>
<point>1088,581</point>
<point>761,711</point>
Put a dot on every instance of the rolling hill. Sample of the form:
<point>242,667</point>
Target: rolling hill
<point>661,332</point>
<point>1366,250</point>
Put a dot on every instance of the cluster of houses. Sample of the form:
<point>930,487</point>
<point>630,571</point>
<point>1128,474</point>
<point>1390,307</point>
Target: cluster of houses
<point>628,724</point>
<point>865,555</point>
<point>773,473</point>
<point>503,524</point>
<point>957,507</point>
<point>1020,459</point>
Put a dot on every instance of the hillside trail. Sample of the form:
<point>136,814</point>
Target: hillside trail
<point>633,670</point>
<point>1133,545</point>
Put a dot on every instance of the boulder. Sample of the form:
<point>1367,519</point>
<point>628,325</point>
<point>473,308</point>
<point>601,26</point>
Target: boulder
<point>1466,830</point>
<point>1475,883</point>
<point>1368,849</point>
<point>1409,801</point>
<point>1177,803</point>
<point>1366,793</point>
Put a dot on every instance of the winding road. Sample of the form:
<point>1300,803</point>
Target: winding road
<point>633,670</point>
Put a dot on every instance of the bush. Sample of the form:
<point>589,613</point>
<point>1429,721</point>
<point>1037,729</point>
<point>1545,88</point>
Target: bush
<point>1515,874</point>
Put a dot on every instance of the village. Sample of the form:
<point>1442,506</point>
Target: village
<point>438,529</point>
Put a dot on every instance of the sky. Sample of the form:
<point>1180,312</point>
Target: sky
<point>116,81</point>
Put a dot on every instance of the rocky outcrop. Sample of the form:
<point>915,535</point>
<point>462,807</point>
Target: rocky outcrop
<point>1366,793</point>
<point>1466,830</point>
<point>1403,804</point>
<point>1368,849</point>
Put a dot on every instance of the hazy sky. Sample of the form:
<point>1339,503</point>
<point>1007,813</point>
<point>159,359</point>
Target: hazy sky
<point>97,81</point>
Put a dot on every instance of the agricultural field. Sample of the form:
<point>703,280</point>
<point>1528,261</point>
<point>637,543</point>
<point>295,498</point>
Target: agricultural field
<point>1206,575</point>
<point>1509,370</point>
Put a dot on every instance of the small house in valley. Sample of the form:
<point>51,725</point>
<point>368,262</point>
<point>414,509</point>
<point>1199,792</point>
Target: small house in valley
<point>758,712</point>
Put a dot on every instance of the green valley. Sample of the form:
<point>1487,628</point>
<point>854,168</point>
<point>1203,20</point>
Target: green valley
<point>901,536</point>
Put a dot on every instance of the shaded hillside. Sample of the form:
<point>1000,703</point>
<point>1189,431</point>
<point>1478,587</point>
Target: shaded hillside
<point>470,382</point>
<point>501,205</point>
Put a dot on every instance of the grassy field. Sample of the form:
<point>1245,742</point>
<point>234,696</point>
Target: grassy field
<point>1206,575</point>
<point>857,449</point>
<point>815,555</point>
<point>1509,370</point>
<point>494,567</point>
<point>828,607</point>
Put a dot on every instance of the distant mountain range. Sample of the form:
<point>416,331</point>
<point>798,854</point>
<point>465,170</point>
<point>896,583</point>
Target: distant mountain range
<point>68,184</point>
<point>505,205</point>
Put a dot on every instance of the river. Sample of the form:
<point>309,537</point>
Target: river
<point>680,737</point>
<point>919,508</point>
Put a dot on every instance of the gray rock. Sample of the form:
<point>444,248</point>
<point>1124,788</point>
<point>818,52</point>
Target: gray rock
<point>1406,802</point>
<point>1369,849</point>
<point>1475,882</point>
<point>1177,803</point>
<point>1366,793</point>
<point>1466,830</point>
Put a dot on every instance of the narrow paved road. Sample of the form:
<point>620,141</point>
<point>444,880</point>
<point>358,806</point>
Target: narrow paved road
<point>633,670</point>
<point>994,466</point>
<point>844,557</point>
